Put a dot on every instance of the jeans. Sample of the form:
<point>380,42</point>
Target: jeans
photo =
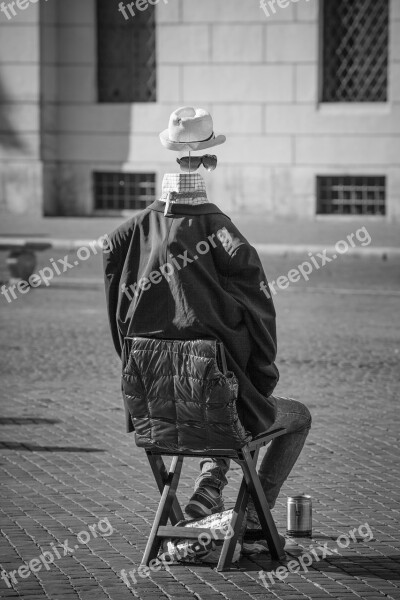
<point>280,457</point>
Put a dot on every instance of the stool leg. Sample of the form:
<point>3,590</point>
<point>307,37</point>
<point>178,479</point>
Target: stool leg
<point>260,502</point>
<point>228,548</point>
<point>239,512</point>
<point>161,475</point>
<point>164,509</point>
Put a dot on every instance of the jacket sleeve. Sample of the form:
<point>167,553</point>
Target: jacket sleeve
<point>112,265</point>
<point>248,284</point>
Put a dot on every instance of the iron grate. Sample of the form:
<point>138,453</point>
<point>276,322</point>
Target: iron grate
<point>123,191</point>
<point>126,54</point>
<point>355,50</point>
<point>351,195</point>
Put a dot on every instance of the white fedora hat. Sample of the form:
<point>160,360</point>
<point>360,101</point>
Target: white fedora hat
<point>190,129</point>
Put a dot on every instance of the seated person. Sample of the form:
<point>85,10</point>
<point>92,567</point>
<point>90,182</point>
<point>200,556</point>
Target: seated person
<point>180,269</point>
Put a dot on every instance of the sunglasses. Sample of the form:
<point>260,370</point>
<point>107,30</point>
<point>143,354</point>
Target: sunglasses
<point>192,163</point>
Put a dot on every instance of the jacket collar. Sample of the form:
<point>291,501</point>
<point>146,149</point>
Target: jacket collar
<point>186,209</point>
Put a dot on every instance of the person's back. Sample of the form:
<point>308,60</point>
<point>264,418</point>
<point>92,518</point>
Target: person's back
<point>180,269</point>
<point>191,274</point>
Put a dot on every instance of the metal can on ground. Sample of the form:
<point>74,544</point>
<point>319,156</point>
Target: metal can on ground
<point>299,516</point>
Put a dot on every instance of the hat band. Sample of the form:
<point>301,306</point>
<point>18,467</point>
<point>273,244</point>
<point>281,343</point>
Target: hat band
<point>195,141</point>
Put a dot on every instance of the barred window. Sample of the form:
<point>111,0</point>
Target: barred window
<point>351,195</point>
<point>114,191</point>
<point>355,50</point>
<point>126,53</point>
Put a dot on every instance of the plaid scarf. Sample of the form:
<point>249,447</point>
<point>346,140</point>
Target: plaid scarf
<point>184,188</point>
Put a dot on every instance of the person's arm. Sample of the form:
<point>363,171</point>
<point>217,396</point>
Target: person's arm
<point>112,265</point>
<point>247,283</point>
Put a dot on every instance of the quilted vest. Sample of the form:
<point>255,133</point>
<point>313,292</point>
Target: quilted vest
<point>178,397</point>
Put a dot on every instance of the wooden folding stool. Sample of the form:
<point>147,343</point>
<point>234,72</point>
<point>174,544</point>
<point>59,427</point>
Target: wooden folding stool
<point>169,507</point>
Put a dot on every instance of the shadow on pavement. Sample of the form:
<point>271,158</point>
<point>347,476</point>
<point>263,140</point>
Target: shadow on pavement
<point>36,448</point>
<point>27,421</point>
<point>385,567</point>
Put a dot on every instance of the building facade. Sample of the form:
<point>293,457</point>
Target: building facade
<point>307,93</point>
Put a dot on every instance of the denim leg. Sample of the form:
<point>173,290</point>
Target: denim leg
<point>213,472</point>
<point>284,451</point>
<point>280,457</point>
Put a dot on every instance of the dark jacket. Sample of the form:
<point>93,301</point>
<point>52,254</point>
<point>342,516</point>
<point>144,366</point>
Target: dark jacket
<point>192,274</point>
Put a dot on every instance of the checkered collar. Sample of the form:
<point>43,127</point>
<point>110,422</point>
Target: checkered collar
<point>184,188</point>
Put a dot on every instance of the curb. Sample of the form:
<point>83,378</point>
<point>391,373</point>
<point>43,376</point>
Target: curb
<point>43,243</point>
<point>359,251</point>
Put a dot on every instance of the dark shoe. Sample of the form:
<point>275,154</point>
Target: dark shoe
<point>203,504</point>
<point>254,541</point>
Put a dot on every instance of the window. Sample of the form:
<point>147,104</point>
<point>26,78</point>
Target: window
<point>355,50</point>
<point>351,195</point>
<point>126,53</point>
<point>123,191</point>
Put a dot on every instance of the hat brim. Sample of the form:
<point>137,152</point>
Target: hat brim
<point>179,146</point>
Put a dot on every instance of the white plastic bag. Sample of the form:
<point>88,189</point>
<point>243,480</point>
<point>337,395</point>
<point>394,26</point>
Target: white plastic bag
<point>204,548</point>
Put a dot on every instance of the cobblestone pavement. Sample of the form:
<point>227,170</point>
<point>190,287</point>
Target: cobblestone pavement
<point>72,477</point>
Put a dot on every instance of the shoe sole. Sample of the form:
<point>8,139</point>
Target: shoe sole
<point>196,510</point>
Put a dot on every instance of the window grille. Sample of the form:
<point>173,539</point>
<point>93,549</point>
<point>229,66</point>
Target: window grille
<point>126,53</point>
<point>123,191</point>
<point>355,50</point>
<point>351,195</point>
